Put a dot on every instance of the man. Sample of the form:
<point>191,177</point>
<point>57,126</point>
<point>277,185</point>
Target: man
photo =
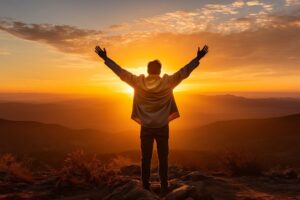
<point>153,108</point>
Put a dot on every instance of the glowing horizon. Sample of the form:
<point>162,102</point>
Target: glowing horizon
<point>253,45</point>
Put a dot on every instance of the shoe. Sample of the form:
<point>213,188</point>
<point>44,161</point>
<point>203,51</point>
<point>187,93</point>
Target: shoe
<point>147,187</point>
<point>164,190</point>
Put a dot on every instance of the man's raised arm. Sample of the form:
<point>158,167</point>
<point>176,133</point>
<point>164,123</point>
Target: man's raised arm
<point>185,71</point>
<point>119,71</point>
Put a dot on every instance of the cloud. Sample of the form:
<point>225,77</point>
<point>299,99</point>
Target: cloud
<point>260,38</point>
<point>210,18</point>
<point>253,3</point>
<point>292,2</point>
<point>257,50</point>
<point>218,18</point>
<point>4,52</point>
<point>66,38</point>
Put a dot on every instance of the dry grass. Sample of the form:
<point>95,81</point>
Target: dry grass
<point>16,171</point>
<point>83,170</point>
<point>241,164</point>
<point>283,173</point>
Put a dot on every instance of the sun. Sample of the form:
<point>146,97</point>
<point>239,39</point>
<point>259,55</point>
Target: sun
<point>128,90</point>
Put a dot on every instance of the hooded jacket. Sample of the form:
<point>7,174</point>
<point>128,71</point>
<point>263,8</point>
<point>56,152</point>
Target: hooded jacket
<point>154,105</point>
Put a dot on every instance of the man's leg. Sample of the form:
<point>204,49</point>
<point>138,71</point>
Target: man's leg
<point>162,141</point>
<point>147,140</point>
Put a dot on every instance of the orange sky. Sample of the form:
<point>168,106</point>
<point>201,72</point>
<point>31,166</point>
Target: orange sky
<point>254,47</point>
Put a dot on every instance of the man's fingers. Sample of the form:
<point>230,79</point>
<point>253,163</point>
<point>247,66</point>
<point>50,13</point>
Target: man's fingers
<point>205,48</point>
<point>203,51</point>
<point>98,48</point>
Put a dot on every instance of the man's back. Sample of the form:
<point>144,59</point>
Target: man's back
<point>153,102</point>
<point>153,105</point>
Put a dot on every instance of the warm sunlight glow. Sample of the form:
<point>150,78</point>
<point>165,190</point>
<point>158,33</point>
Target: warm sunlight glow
<point>74,76</point>
<point>128,90</point>
<point>172,37</point>
<point>138,70</point>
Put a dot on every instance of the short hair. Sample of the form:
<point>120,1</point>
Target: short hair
<point>154,67</point>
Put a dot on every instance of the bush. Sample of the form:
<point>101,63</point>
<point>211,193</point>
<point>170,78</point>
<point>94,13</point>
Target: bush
<point>15,170</point>
<point>82,170</point>
<point>241,164</point>
<point>283,173</point>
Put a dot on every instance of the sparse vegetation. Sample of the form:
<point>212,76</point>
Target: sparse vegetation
<point>82,170</point>
<point>283,173</point>
<point>241,164</point>
<point>86,176</point>
<point>16,171</point>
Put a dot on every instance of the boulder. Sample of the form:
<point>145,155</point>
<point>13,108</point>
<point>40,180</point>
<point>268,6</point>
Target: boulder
<point>131,170</point>
<point>3,175</point>
<point>129,191</point>
<point>181,193</point>
<point>195,176</point>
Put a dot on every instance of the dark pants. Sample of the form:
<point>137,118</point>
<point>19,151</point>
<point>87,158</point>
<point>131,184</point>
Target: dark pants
<point>161,136</point>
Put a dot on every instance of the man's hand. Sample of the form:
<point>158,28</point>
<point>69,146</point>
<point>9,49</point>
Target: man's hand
<point>100,52</point>
<point>203,52</point>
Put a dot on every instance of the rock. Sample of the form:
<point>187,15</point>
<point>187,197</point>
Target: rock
<point>131,190</point>
<point>189,198</point>
<point>6,187</point>
<point>175,172</point>
<point>195,176</point>
<point>283,174</point>
<point>118,183</point>
<point>291,174</point>
<point>3,175</point>
<point>139,193</point>
<point>181,193</point>
<point>189,192</point>
<point>175,183</point>
<point>131,170</point>
<point>21,185</point>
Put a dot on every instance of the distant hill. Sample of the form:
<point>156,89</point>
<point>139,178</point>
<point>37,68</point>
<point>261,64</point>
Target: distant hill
<point>102,113</point>
<point>25,137</point>
<point>274,138</point>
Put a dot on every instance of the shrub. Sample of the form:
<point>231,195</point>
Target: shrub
<point>15,170</point>
<point>82,170</point>
<point>241,164</point>
<point>283,173</point>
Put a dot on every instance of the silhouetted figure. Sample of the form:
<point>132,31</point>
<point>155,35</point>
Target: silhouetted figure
<point>153,108</point>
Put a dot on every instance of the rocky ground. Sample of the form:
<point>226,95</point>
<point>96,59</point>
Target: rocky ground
<point>184,185</point>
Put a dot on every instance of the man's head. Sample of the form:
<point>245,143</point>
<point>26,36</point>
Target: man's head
<point>154,67</point>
